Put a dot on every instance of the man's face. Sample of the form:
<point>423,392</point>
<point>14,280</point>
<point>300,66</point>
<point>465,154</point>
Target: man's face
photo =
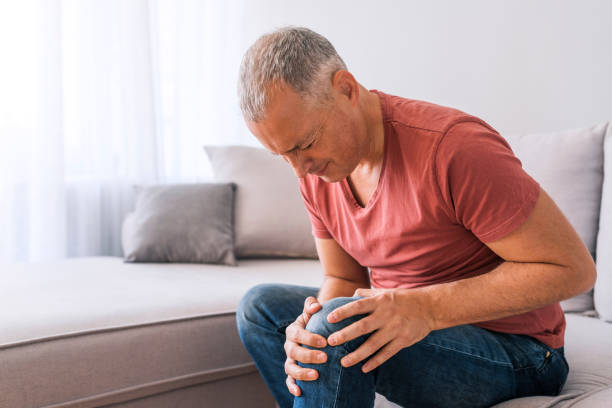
<point>321,140</point>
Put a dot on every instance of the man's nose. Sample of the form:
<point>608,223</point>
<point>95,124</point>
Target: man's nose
<point>300,166</point>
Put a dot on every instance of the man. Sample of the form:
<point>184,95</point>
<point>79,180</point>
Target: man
<point>444,261</point>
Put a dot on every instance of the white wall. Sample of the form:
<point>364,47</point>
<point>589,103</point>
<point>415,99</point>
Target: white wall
<point>522,66</point>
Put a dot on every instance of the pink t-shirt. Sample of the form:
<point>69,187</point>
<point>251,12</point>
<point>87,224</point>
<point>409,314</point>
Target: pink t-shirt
<point>448,183</point>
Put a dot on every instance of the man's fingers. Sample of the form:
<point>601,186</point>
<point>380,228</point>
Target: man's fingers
<point>370,292</point>
<point>375,342</point>
<point>383,355</point>
<point>311,305</point>
<point>300,335</point>
<point>300,373</point>
<point>364,292</point>
<point>356,307</point>
<point>293,387</point>
<point>352,331</point>
<point>303,354</point>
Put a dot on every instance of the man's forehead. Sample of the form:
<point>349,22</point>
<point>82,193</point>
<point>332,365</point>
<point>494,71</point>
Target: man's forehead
<point>286,122</point>
<point>280,138</point>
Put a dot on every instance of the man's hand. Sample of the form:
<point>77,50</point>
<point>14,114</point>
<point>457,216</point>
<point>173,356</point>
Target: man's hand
<point>296,336</point>
<point>399,318</point>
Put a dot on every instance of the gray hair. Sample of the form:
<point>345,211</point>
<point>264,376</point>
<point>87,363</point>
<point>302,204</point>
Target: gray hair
<point>296,56</point>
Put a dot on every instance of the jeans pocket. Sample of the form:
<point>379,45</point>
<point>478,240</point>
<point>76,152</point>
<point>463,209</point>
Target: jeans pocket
<point>545,362</point>
<point>540,369</point>
<point>552,373</point>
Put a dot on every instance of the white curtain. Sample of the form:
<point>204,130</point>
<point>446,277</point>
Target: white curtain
<point>97,96</point>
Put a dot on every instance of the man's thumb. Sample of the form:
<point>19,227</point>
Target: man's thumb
<point>363,292</point>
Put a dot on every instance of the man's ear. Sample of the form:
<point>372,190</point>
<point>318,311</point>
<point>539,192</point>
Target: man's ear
<point>345,84</point>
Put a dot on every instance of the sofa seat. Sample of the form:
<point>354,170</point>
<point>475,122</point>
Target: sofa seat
<point>588,349</point>
<point>98,332</point>
<point>91,332</point>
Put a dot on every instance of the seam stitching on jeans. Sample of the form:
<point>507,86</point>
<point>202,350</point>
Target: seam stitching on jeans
<point>468,354</point>
<point>338,387</point>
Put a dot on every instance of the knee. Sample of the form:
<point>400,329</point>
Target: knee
<point>318,322</point>
<point>250,306</point>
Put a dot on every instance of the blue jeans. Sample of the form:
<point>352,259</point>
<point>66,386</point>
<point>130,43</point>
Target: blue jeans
<point>462,366</point>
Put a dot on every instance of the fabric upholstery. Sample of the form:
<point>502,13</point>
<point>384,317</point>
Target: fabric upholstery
<point>128,330</point>
<point>270,216</point>
<point>569,167</point>
<point>181,223</point>
<point>162,333</point>
<point>603,286</point>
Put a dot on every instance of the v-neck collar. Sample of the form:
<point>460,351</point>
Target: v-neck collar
<point>348,193</point>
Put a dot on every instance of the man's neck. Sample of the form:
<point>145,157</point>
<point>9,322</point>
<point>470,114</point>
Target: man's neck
<point>375,137</point>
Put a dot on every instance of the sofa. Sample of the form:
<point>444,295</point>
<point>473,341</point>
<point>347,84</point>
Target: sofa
<point>125,332</point>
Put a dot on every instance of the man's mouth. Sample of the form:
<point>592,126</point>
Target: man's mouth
<point>321,170</point>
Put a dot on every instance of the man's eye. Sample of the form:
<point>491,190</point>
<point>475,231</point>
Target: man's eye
<point>309,146</point>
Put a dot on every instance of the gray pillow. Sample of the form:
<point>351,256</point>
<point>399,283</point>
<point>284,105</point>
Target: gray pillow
<point>569,166</point>
<point>190,223</point>
<point>271,219</point>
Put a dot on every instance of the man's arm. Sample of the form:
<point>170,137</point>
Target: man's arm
<point>342,274</point>
<point>546,262</point>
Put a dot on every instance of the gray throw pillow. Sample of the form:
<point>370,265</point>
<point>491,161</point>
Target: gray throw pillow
<point>569,166</point>
<point>190,223</point>
<point>271,219</point>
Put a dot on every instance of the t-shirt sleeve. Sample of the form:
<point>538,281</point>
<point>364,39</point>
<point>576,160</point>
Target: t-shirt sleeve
<point>482,182</point>
<point>318,228</point>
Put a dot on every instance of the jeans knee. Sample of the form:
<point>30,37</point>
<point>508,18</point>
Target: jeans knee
<point>249,306</point>
<point>318,323</point>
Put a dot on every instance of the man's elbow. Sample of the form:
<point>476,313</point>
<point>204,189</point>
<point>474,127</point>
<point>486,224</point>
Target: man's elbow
<point>584,276</point>
<point>591,276</point>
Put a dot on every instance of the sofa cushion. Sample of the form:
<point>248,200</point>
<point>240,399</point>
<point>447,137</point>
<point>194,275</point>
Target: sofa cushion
<point>569,166</point>
<point>603,286</point>
<point>270,216</point>
<point>181,223</point>
<point>590,378</point>
<point>125,330</point>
